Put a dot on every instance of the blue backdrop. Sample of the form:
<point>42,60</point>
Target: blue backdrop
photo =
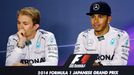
<point>66,19</point>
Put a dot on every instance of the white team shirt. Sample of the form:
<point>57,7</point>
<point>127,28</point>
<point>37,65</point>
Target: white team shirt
<point>42,51</point>
<point>112,48</point>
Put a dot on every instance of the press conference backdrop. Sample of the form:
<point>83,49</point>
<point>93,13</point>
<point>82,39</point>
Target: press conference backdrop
<point>66,19</point>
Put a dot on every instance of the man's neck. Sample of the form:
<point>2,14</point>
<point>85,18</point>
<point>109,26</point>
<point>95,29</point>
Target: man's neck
<point>32,36</point>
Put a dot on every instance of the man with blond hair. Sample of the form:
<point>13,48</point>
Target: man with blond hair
<point>31,46</point>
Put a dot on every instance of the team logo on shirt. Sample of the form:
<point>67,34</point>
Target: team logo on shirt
<point>90,42</point>
<point>31,61</point>
<point>51,39</point>
<point>126,42</point>
<point>112,42</point>
<point>38,44</point>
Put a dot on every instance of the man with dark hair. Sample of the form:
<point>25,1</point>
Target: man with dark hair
<point>111,44</point>
<point>31,45</point>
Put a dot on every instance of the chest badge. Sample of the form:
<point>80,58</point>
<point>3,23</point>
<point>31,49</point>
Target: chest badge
<point>112,41</point>
<point>37,45</point>
<point>90,42</point>
<point>126,42</point>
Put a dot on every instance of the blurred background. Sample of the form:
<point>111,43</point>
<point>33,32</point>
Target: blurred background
<point>66,19</point>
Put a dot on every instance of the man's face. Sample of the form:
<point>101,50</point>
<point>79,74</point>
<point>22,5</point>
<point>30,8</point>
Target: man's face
<point>26,23</point>
<point>100,22</point>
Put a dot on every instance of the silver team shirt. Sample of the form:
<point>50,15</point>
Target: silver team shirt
<point>112,48</point>
<point>41,51</point>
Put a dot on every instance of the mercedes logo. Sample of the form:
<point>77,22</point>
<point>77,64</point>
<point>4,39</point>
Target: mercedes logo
<point>96,7</point>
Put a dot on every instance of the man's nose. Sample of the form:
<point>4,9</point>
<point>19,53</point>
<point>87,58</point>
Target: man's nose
<point>96,19</point>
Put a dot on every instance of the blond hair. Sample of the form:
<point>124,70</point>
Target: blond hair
<point>33,13</point>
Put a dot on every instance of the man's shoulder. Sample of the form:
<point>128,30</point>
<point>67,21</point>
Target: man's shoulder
<point>120,32</point>
<point>87,31</point>
<point>14,36</point>
<point>44,32</point>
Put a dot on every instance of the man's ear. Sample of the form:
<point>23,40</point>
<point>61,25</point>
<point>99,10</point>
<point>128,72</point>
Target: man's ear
<point>36,26</point>
<point>109,19</point>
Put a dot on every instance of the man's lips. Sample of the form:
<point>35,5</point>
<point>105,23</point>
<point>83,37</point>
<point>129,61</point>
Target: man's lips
<point>96,25</point>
